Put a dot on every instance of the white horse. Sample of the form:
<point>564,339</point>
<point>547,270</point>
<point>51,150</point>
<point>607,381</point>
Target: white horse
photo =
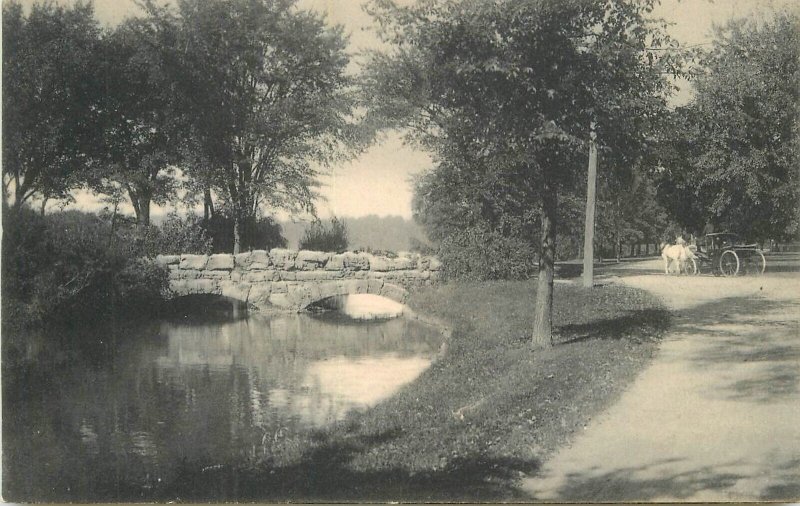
<point>678,253</point>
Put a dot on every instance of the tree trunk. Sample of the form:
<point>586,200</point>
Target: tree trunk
<point>543,311</point>
<point>144,209</point>
<point>44,205</point>
<point>208,205</point>
<point>140,200</point>
<point>237,240</point>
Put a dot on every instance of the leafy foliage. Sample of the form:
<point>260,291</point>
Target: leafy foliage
<point>264,85</point>
<point>73,266</point>
<point>735,150</point>
<point>478,255</point>
<point>505,95</point>
<point>255,233</point>
<point>318,237</point>
<point>141,128</point>
<point>50,115</point>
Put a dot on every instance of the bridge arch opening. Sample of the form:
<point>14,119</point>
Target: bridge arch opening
<point>360,306</point>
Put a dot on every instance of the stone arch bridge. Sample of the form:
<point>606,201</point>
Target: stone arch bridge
<point>293,280</point>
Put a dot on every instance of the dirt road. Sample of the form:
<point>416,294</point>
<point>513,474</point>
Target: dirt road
<point>716,417</point>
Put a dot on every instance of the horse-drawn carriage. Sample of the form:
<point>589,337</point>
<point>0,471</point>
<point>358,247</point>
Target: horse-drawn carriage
<point>723,253</point>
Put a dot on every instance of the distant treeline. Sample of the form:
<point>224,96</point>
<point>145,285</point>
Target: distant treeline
<point>388,233</point>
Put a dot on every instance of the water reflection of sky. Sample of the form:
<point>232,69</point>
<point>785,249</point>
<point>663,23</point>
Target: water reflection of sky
<point>308,369</point>
<point>211,393</point>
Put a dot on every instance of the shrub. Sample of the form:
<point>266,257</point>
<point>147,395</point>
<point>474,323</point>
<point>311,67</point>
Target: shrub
<point>73,265</point>
<point>477,254</point>
<point>256,233</point>
<point>318,237</point>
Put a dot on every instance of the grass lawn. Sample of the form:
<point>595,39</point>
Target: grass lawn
<point>490,410</point>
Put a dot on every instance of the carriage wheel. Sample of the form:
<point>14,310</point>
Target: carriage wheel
<point>691,267</point>
<point>756,263</point>
<point>729,263</point>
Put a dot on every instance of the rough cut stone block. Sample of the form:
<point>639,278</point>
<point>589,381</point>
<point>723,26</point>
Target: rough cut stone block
<point>165,260</point>
<point>374,286</point>
<point>329,289</point>
<point>282,258</point>
<point>309,260</point>
<point>405,263</point>
<point>394,292</point>
<point>381,264</point>
<point>310,276</point>
<point>287,275</point>
<point>226,275</point>
<point>279,287</point>
<point>241,260</point>
<point>186,274</point>
<point>281,300</point>
<point>259,294</point>
<point>238,291</point>
<point>335,263</point>
<point>359,286</point>
<point>236,276</point>
<point>300,295</point>
<point>192,286</point>
<point>259,276</point>
<point>259,260</point>
<point>220,262</point>
<point>356,261</point>
<point>194,262</point>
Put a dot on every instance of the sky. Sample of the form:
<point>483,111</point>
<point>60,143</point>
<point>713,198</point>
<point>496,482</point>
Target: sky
<point>379,181</point>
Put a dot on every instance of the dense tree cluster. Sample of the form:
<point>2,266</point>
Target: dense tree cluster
<point>246,97</point>
<point>731,157</point>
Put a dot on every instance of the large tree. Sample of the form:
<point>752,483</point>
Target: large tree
<point>735,149</point>
<point>143,129</point>
<point>514,85</point>
<point>50,89</point>
<point>265,86</point>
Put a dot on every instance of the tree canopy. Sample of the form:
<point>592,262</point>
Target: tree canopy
<point>50,115</point>
<point>142,128</point>
<point>735,147</point>
<point>509,90</point>
<point>265,86</point>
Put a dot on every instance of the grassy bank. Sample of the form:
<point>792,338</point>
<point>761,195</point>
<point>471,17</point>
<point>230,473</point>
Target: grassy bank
<point>466,429</point>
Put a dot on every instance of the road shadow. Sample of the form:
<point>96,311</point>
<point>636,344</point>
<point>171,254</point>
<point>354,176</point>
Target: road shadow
<point>626,484</point>
<point>744,331</point>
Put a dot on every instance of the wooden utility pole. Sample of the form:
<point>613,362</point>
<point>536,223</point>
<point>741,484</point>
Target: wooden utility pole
<point>588,234</point>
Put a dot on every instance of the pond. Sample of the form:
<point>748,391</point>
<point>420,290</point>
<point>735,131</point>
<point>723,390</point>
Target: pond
<point>115,418</point>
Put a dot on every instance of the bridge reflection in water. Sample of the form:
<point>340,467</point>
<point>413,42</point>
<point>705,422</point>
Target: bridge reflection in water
<point>204,394</point>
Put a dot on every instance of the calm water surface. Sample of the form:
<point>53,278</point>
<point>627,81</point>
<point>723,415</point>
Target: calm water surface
<point>133,408</point>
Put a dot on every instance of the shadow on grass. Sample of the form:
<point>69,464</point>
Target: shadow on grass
<point>325,473</point>
<point>635,325</point>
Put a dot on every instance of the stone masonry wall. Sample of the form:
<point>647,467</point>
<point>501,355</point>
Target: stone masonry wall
<point>291,280</point>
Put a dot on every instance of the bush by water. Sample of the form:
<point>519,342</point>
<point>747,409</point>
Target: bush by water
<point>74,266</point>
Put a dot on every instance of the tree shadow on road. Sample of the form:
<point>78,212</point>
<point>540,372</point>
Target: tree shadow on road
<point>741,331</point>
<point>625,484</point>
